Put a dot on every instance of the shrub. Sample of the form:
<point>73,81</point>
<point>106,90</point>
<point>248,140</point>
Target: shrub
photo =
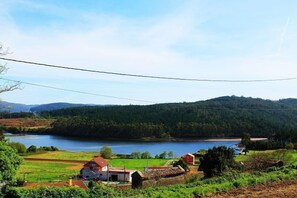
<point>181,163</point>
<point>32,149</point>
<point>217,160</point>
<point>19,147</point>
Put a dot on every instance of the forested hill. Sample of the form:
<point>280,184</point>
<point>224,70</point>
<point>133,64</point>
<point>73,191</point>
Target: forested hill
<point>219,117</point>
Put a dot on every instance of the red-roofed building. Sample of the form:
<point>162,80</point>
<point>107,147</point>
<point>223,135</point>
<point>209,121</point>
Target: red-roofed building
<point>98,169</point>
<point>93,168</point>
<point>189,158</point>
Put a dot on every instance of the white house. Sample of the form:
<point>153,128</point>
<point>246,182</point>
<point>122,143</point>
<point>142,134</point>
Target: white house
<point>98,169</point>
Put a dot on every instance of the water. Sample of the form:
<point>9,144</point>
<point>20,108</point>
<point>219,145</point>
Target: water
<point>120,147</point>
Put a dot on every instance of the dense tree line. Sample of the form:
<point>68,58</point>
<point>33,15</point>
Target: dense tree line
<point>220,117</point>
<point>5,114</point>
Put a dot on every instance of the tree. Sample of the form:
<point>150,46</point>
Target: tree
<point>32,148</point>
<point>9,163</point>
<point>135,155</point>
<point>163,155</point>
<point>7,86</point>
<point>246,139</point>
<point>106,152</point>
<point>170,154</point>
<point>216,160</point>
<point>146,155</point>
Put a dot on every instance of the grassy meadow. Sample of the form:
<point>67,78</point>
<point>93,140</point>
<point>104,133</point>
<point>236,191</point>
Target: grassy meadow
<point>47,171</point>
<point>66,155</point>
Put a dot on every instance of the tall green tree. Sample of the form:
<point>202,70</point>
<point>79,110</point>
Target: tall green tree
<point>106,152</point>
<point>216,160</point>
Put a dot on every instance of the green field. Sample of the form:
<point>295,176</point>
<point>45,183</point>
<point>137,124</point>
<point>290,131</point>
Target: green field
<point>242,158</point>
<point>46,171</point>
<point>66,155</point>
<point>137,164</point>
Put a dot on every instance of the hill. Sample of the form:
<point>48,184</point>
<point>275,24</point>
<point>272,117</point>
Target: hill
<point>15,107</point>
<point>54,106</point>
<point>218,117</point>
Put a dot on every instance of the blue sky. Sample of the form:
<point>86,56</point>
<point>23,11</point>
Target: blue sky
<point>196,39</point>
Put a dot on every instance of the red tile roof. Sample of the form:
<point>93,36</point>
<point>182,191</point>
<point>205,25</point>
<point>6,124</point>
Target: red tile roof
<point>100,161</point>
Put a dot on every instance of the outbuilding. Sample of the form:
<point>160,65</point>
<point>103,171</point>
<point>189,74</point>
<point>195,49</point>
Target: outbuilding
<point>189,158</point>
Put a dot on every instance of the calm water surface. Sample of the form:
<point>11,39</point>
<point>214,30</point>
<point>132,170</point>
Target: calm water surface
<point>122,147</point>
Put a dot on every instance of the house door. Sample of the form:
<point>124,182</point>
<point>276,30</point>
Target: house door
<point>114,178</point>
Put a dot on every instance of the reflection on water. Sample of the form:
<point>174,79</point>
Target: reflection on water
<point>122,147</point>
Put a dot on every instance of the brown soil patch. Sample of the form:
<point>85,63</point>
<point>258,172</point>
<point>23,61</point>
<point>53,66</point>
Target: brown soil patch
<point>273,189</point>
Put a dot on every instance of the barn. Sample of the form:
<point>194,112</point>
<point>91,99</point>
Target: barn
<point>189,158</point>
<point>158,177</point>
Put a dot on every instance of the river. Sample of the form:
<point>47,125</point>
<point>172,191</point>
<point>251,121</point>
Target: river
<point>120,147</point>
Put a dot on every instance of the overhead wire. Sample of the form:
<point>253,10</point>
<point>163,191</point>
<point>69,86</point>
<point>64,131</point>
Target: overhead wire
<point>147,76</point>
<point>76,91</point>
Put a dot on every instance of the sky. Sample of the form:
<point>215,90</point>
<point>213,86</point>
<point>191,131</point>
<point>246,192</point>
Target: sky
<point>210,39</point>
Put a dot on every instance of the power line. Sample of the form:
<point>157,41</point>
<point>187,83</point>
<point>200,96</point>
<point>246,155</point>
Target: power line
<point>76,91</point>
<point>146,101</point>
<point>148,76</point>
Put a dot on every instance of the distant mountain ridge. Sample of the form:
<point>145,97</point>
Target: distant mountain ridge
<point>17,107</point>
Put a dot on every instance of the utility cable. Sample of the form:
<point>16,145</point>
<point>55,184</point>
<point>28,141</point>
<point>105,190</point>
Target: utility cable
<point>148,76</point>
<point>76,91</point>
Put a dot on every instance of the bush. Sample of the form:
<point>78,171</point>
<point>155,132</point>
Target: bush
<point>217,160</point>
<point>32,149</point>
<point>181,163</point>
<point>19,147</point>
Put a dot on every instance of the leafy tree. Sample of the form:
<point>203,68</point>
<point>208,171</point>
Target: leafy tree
<point>157,156</point>
<point>163,155</point>
<point>106,152</point>
<point>19,147</point>
<point>9,163</point>
<point>135,155</point>
<point>170,154</point>
<point>146,155</point>
<point>216,160</point>
<point>246,139</point>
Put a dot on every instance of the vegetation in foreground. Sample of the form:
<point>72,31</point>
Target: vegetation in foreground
<point>196,187</point>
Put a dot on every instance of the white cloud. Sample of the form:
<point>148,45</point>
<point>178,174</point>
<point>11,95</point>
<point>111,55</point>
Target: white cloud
<point>142,46</point>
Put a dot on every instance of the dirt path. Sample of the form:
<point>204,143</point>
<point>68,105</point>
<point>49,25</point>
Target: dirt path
<point>273,189</point>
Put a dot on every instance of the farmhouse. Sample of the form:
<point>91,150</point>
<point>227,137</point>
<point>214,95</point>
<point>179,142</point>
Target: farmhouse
<point>158,177</point>
<point>189,158</point>
<point>98,169</point>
